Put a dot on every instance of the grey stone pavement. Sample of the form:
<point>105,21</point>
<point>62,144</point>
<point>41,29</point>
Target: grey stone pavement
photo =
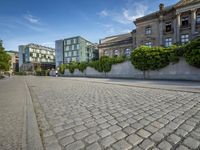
<point>94,114</point>
<point>12,100</point>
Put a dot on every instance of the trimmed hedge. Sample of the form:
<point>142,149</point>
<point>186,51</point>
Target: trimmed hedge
<point>192,53</point>
<point>104,64</point>
<point>154,58</point>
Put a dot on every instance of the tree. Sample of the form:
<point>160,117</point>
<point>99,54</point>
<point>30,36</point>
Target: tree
<point>4,58</point>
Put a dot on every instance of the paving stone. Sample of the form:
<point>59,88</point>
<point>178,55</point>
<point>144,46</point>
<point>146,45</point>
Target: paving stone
<point>94,146</point>
<point>104,133</point>
<point>119,135</point>
<point>173,138</point>
<point>122,145</point>
<point>77,145</point>
<point>191,143</point>
<point>107,141</point>
<point>134,139</point>
<point>157,124</point>
<point>129,130</point>
<point>53,146</point>
<point>65,133</point>
<point>79,128</point>
<point>123,124</point>
<point>81,135</point>
<point>182,147</point>
<point>151,128</point>
<point>147,144</point>
<point>67,140</point>
<point>104,125</point>
<point>164,145</point>
<point>181,132</point>
<point>137,126</point>
<point>143,133</point>
<point>157,137</point>
<point>92,138</point>
<point>114,128</point>
<point>186,127</point>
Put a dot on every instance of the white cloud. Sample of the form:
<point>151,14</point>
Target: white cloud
<point>127,14</point>
<point>31,18</point>
<point>103,13</point>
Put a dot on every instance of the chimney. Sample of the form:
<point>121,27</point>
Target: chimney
<point>161,6</point>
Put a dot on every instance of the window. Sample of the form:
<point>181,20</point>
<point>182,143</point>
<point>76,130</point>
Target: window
<point>68,42</point>
<point>66,54</point>
<point>168,26</point>
<point>72,47</point>
<point>67,48</point>
<point>148,30</point>
<point>184,38</point>
<point>148,44</point>
<point>127,52</point>
<point>185,21</point>
<point>74,53</point>
<point>70,54</point>
<point>168,42</point>
<point>198,18</point>
<point>74,41</point>
<point>77,46</point>
<point>116,52</point>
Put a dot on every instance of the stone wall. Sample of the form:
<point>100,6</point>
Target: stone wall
<point>178,71</point>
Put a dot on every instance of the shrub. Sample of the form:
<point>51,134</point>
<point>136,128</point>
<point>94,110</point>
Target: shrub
<point>82,66</point>
<point>147,58</point>
<point>192,53</point>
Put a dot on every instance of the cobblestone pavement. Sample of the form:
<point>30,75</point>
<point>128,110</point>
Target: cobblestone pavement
<point>12,100</point>
<point>74,114</point>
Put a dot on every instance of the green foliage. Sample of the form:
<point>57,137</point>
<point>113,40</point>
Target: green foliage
<point>82,66</point>
<point>103,65</point>
<point>192,53</point>
<point>4,59</point>
<point>154,58</point>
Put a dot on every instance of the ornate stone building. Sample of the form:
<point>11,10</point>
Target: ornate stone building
<point>117,45</point>
<point>178,23</point>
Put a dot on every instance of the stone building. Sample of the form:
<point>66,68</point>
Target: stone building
<point>176,24</point>
<point>117,45</point>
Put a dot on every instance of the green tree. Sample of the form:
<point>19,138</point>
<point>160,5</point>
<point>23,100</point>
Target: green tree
<point>4,58</point>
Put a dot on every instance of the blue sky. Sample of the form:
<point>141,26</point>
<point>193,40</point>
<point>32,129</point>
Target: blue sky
<point>44,21</point>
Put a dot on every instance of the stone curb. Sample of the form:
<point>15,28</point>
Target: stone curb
<point>31,139</point>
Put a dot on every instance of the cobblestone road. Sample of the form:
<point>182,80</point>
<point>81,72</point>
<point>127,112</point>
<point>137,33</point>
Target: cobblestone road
<point>76,115</point>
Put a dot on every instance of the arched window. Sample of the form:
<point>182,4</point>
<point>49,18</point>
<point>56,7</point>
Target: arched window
<point>127,52</point>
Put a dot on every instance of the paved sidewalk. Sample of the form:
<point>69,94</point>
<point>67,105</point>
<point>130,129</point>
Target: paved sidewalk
<point>12,102</point>
<point>18,126</point>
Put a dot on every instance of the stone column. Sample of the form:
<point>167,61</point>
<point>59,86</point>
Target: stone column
<point>174,27</point>
<point>161,31</point>
<point>193,21</point>
<point>178,20</point>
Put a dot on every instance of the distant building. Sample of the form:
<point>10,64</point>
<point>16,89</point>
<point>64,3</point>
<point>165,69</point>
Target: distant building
<point>33,55</point>
<point>74,49</point>
<point>117,45</point>
<point>176,24</point>
<point>14,61</point>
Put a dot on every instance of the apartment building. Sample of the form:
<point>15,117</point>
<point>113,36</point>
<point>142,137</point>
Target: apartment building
<point>14,61</point>
<point>33,55</point>
<point>74,49</point>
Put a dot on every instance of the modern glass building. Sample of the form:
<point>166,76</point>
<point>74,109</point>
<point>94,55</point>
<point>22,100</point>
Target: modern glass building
<point>74,49</point>
<point>36,54</point>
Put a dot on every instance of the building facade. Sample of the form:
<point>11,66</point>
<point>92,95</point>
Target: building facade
<point>74,49</point>
<point>117,45</point>
<point>176,24</point>
<point>14,61</point>
<point>34,55</point>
